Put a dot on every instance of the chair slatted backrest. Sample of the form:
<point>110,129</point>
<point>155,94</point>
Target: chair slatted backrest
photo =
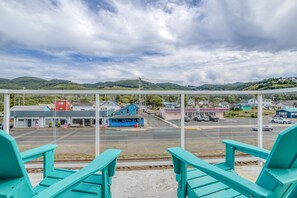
<point>11,164</point>
<point>282,156</point>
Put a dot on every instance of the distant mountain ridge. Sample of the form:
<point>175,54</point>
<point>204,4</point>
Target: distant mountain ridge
<point>38,83</point>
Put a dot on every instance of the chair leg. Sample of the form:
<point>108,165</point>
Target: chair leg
<point>105,184</point>
<point>182,184</point>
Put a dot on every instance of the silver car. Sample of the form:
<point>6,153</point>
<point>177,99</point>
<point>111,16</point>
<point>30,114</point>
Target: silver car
<point>265,128</point>
<point>280,120</point>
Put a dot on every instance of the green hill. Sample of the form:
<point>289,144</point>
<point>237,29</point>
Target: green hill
<point>273,83</point>
<point>231,86</point>
<point>38,83</point>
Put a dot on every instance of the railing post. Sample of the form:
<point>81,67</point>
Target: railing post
<point>6,112</point>
<point>260,122</point>
<point>97,126</point>
<point>182,120</point>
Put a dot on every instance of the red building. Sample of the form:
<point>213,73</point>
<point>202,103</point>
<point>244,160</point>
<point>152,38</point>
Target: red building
<point>62,105</point>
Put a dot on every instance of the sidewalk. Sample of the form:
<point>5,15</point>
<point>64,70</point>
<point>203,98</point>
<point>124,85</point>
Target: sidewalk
<point>151,183</point>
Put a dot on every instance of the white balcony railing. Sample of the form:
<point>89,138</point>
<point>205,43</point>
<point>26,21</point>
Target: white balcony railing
<point>182,94</point>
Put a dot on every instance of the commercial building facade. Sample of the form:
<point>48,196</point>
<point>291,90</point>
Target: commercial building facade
<point>287,112</point>
<point>25,119</point>
<point>174,114</point>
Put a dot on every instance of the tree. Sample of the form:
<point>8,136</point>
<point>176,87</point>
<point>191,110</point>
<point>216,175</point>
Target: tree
<point>11,96</point>
<point>125,99</point>
<point>155,101</point>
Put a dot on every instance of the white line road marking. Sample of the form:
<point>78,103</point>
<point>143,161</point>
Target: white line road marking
<point>64,136</point>
<point>24,134</point>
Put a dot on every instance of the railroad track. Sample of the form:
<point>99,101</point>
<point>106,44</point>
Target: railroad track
<point>136,159</point>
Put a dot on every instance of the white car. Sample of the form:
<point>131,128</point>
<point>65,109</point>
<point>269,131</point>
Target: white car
<point>265,128</point>
<point>280,120</point>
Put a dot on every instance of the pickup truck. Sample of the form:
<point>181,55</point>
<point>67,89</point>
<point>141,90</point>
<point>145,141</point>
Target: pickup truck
<point>280,120</point>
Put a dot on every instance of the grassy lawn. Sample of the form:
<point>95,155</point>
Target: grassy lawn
<point>247,113</point>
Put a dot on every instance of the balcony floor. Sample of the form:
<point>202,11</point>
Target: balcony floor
<point>152,183</point>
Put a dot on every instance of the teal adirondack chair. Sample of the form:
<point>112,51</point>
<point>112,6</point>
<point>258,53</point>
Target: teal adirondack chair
<point>14,180</point>
<point>278,177</point>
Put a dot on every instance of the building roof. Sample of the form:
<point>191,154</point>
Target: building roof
<point>51,106</point>
<point>110,103</point>
<point>291,110</point>
<point>82,104</point>
<point>177,110</point>
<point>124,116</point>
<point>57,113</point>
<point>29,108</point>
<point>242,104</point>
<point>125,107</point>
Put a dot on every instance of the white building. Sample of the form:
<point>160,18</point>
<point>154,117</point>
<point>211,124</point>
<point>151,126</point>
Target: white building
<point>83,106</point>
<point>27,119</point>
<point>174,114</point>
<point>110,106</point>
<point>30,108</point>
<point>265,103</point>
<point>170,105</point>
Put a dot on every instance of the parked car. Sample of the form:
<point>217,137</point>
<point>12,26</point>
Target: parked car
<point>213,118</point>
<point>151,112</point>
<point>205,118</point>
<point>280,120</point>
<point>187,119</point>
<point>265,128</point>
<point>1,126</point>
<point>198,119</point>
<point>201,118</point>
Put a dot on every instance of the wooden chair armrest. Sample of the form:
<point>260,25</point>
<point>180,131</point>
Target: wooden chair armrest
<point>32,154</point>
<point>236,182</point>
<point>248,149</point>
<point>99,163</point>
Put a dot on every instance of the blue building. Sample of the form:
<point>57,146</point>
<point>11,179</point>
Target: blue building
<point>287,113</point>
<point>243,106</point>
<point>126,117</point>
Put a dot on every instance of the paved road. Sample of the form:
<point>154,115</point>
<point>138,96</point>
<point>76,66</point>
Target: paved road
<point>204,138</point>
<point>133,135</point>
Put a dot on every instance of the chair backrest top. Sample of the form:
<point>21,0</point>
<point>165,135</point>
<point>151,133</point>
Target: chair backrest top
<point>284,152</point>
<point>282,156</point>
<point>11,165</point>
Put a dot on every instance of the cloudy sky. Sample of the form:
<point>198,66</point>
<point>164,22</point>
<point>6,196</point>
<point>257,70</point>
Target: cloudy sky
<point>186,42</point>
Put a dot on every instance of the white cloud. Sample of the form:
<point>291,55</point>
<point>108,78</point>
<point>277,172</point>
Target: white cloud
<point>213,41</point>
<point>188,67</point>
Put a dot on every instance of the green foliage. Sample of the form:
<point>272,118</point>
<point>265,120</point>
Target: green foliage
<point>272,83</point>
<point>171,86</point>
<point>11,98</point>
<point>126,99</point>
<point>155,101</point>
<point>230,114</point>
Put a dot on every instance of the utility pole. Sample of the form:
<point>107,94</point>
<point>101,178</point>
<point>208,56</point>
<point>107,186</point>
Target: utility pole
<point>23,97</point>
